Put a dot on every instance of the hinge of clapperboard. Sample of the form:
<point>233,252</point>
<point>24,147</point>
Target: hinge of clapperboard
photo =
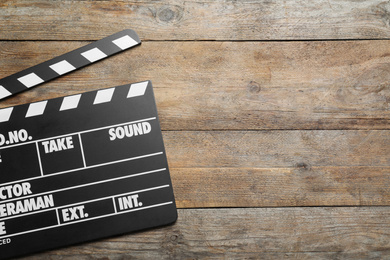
<point>66,63</point>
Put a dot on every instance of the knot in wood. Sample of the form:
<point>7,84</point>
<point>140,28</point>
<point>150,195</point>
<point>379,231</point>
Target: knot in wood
<point>303,166</point>
<point>169,14</point>
<point>174,237</point>
<point>253,87</point>
<point>166,15</point>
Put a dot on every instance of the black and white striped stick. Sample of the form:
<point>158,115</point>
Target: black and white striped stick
<point>72,102</point>
<point>68,62</point>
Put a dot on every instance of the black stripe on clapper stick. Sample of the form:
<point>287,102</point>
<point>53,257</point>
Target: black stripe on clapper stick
<point>68,62</point>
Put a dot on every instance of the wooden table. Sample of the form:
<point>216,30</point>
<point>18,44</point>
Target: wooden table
<point>275,117</point>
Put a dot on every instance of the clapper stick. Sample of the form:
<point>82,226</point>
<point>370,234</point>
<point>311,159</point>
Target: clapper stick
<point>68,62</point>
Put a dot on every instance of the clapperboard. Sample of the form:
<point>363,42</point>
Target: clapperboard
<point>81,167</point>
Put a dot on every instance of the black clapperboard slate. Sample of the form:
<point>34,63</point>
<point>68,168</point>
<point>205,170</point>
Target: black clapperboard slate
<point>81,167</point>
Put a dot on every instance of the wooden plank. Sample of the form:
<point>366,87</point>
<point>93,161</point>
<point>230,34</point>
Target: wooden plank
<point>234,85</point>
<point>263,233</point>
<point>281,187</point>
<point>277,149</point>
<point>279,168</point>
<point>196,20</point>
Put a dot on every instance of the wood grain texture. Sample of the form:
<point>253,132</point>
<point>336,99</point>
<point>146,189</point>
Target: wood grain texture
<point>234,85</point>
<point>298,186</point>
<point>279,168</point>
<point>277,149</point>
<point>263,126</point>
<point>196,20</point>
<point>264,233</point>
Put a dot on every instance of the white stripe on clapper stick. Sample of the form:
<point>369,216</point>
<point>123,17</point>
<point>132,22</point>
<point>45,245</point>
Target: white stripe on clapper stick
<point>30,80</point>
<point>125,42</point>
<point>62,67</point>
<point>94,55</point>
<point>36,109</point>
<point>103,96</point>
<point>4,93</point>
<point>70,102</point>
<point>5,114</point>
<point>137,89</point>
